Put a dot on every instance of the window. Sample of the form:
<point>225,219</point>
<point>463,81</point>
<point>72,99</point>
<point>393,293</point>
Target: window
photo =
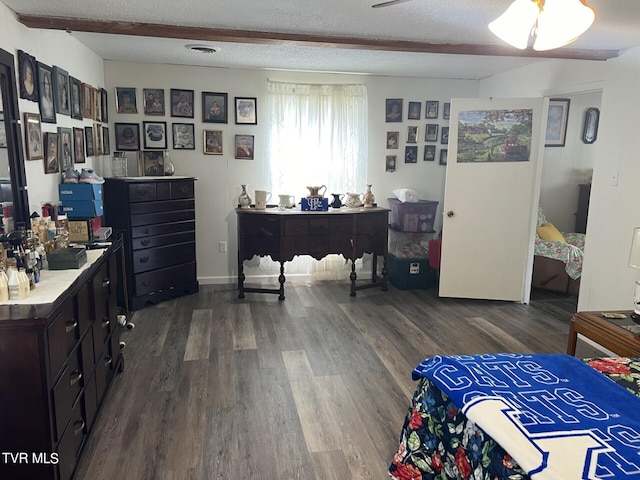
<point>317,136</point>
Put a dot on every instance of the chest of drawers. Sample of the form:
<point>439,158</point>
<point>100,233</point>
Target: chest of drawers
<point>157,219</point>
<point>57,361</point>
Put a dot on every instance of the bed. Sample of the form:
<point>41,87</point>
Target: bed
<point>557,265</point>
<point>440,441</point>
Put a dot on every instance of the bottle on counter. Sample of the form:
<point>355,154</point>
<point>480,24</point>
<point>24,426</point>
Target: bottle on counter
<point>15,291</point>
<point>4,286</point>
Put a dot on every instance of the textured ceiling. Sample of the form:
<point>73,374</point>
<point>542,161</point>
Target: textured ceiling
<point>453,21</point>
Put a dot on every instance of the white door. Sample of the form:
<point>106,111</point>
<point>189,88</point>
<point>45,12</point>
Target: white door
<point>491,198</point>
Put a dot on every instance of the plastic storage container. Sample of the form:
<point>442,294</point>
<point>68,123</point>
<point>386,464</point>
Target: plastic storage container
<point>413,216</point>
<point>410,273</point>
<point>409,244</point>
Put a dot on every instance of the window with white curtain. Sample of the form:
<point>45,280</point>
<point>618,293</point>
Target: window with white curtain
<point>317,135</point>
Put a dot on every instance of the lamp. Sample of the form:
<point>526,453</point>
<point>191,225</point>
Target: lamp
<point>634,261</point>
<point>554,23</point>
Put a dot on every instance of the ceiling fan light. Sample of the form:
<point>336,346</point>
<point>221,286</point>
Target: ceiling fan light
<point>561,22</point>
<point>515,24</point>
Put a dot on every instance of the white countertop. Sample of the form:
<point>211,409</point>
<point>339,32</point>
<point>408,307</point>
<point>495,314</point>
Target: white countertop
<point>53,283</point>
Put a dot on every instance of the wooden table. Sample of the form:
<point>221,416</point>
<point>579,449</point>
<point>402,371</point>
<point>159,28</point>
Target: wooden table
<point>283,234</point>
<point>610,333</point>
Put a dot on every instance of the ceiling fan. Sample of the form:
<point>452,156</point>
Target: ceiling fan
<point>388,3</point>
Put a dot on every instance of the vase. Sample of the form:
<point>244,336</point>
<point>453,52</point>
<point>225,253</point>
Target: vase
<point>244,199</point>
<point>369,198</point>
<point>169,167</point>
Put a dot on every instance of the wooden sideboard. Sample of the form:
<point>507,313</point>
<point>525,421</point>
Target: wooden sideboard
<point>57,361</point>
<point>283,234</point>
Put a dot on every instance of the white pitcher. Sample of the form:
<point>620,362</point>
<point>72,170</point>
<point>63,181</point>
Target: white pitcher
<point>354,200</point>
<point>286,201</point>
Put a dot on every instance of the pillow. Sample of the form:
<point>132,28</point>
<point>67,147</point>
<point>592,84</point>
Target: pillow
<point>548,231</point>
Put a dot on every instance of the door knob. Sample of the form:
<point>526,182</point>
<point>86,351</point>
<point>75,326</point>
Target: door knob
<point>450,213</point>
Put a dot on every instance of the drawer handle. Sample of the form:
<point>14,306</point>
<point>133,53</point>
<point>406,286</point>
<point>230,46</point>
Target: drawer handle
<point>75,377</point>
<point>145,242</point>
<point>146,231</point>
<point>78,427</point>
<point>108,361</point>
<point>70,326</point>
<point>146,283</point>
<point>142,191</point>
<point>105,322</point>
<point>106,282</point>
<point>144,259</point>
<point>184,189</point>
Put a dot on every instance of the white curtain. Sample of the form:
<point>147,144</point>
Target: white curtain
<point>317,135</point>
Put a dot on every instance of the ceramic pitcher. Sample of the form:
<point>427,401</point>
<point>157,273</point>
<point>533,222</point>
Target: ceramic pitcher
<point>286,201</point>
<point>354,200</point>
<point>337,200</point>
<point>315,191</point>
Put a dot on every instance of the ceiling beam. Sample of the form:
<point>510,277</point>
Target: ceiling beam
<point>273,38</point>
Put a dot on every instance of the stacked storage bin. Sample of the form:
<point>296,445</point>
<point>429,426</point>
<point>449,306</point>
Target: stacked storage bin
<point>409,234</point>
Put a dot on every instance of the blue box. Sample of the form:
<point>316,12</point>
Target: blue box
<point>411,273</point>
<point>85,209</point>
<point>314,204</point>
<point>76,192</point>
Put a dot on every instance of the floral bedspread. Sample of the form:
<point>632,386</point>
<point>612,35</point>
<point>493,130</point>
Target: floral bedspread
<point>438,442</point>
<point>570,253</point>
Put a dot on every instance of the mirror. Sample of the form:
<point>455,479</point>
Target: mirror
<point>13,182</point>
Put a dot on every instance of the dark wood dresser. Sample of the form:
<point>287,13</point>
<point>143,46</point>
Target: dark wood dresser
<point>156,216</point>
<point>283,234</point>
<point>57,361</point>
<point>584,194</point>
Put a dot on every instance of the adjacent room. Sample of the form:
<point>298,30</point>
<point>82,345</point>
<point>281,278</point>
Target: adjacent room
<point>319,240</point>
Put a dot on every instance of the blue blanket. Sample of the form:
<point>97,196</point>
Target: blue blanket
<point>556,416</point>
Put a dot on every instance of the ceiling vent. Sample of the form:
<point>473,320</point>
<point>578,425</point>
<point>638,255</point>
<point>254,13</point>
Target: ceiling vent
<point>202,49</point>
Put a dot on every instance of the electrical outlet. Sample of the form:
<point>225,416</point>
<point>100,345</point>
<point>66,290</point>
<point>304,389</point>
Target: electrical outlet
<point>222,246</point>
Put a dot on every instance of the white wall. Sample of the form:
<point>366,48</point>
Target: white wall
<point>52,48</point>
<point>220,177</point>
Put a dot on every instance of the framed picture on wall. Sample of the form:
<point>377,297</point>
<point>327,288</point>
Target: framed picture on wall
<point>88,141</point>
<point>212,141</point>
<point>78,145</point>
<point>412,134</point>
<point>106,146</point>
<point>557,122</point>
<point>443,156</point>
<point>65,148</point>
<point>126,101</point>
<point>415,109</point>
<point>104,117</point>
<point>244,146</point>
<point>392,139</point>
<point>127,136</point>
<point>155,135</point>
<point>390,163</point>
<point>51,164</point>
<point>33,136</point>
<point>246,110</point>
<point>446,110</point>
<point>429,153</point>
<point>410,154</point>
<point>153,101</point>
<point>87,101</point>
<point>214,107</point>
<point>76,98</point>
<point>61,90</point>
<point>432,109</point>
<point>431,132</point>
<point>183,136</point>
<point>181,103</point>
<point>444,136</point>
<point>27,73</point>
<point>45,94</point>
<point>393,109</point>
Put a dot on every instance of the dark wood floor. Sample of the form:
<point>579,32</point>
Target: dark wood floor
<point>314,387</point>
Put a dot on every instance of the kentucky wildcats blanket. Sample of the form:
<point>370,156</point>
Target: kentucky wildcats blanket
<point>555,415</point>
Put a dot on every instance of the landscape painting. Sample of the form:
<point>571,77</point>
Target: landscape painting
<point>494,135</point>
